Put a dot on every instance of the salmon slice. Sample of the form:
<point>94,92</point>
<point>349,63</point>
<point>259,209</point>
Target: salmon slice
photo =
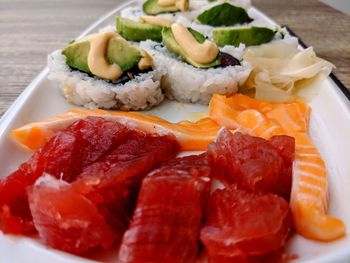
<point>309,197</point>
<point>192,136</point>
<point>292,116</point>
<point>309,200</point>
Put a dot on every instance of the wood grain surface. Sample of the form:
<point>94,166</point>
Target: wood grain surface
<point>30,29</point>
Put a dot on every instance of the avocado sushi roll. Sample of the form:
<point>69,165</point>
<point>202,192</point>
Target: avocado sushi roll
<point>225,22</point>
<point>104,70</point>
<point>195,68</point>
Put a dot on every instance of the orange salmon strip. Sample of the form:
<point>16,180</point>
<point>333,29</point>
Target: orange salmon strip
<point>309,196</point>
<point>192,136</point>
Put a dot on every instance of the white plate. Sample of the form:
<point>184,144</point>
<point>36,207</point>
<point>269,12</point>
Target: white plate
<point>329,128</point>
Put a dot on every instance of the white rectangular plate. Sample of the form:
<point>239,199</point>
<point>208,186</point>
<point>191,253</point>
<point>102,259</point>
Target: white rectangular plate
<point>329,129</point>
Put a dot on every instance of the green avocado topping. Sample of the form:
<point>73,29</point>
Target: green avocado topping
<point>171,44</point>
<point>249,36</point>
<point>119,52</point>
<point>224,15</point>
<point>151,7</point>
<point>198,36</point>
<point>136,31</point>
<point>76,55</point>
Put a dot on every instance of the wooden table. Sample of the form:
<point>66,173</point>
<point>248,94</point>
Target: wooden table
<point>30,29</point>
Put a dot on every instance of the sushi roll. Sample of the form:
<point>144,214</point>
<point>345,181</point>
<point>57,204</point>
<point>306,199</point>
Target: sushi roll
<point>195,68</point>
<point>188,16</point>
<point>103,70</point>
<point>224,22</point>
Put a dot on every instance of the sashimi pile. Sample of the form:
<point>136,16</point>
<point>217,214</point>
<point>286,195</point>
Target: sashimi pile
<point>102,181</point>
<point>98,184</point>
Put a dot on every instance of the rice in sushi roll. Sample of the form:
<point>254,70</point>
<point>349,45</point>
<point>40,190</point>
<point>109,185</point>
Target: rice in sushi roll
<point>131,82</point>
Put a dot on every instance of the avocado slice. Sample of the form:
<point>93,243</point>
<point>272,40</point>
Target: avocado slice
<point>171,44</point>
<point>249,36</point>
<point>119,51</point>
<point>151,7</point>
<point>76,54</point>
<point>198,36</point>
<point>224,15</point>
<point>137,31</point>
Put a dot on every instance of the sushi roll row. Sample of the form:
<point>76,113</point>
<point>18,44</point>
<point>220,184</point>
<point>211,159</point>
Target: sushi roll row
<point>226,22</point>
<point>158,49</point>
<point>104,70</point>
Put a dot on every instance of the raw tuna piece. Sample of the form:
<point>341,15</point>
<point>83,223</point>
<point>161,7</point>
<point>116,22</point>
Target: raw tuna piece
<point>64,156</point>
<point>113,183</point>
<point>253,163</point>
<point>195,165</point>
<point>285,145</point>
<point>80,226</point>
<point>169,212</point>
<point>109,189</point>
<point>243,226</point>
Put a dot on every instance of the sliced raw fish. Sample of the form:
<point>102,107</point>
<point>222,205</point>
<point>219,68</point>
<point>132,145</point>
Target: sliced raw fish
<point>113,183</point>
<point>67,220</point>
<point>244,225</point>
<point>253,163</point>
<point>63,156</point>
<point>166,223</point>
<point>107,188</point>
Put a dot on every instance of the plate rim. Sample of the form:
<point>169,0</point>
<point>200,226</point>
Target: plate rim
<point>10,114</point>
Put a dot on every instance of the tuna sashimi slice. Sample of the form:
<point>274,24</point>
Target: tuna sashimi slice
<point>63,156</point>
<point>80,226</point>
<point>166,223</point>
<point>108,188</point>
<point>254,163</point>
<point>113,183</point>
<point>241,225</point>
